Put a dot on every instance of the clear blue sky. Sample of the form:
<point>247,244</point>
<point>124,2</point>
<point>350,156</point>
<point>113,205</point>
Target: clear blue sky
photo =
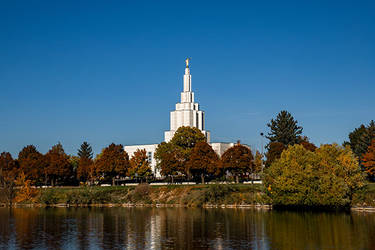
<point>111,71</point>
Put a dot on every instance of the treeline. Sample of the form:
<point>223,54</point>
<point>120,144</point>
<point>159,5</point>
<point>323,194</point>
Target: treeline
<point>57,168</point>
<point>187,156</point>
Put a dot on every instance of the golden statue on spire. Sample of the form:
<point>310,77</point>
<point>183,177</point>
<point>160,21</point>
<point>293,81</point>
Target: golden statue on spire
<point>187,60</point>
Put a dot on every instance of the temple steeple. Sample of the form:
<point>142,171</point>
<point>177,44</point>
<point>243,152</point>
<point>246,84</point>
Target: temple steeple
<point>187,112</point>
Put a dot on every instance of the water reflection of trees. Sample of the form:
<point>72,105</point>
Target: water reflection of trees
<point>187,228</point>
<point>311,230</point>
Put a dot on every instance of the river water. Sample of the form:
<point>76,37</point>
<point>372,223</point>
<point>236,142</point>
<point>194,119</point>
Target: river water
<point>183,228</point>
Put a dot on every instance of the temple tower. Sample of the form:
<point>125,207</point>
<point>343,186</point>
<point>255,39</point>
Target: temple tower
<point>187,112</point>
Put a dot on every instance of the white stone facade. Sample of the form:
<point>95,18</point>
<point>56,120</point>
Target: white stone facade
<point>187,111</point>
<point>221,147</point>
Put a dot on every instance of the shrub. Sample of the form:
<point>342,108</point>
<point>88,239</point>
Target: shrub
<point>216,194</point>
<point>88,196</point>
<point>327,177</point>
<point>49,197</point>
<point>141,192</point>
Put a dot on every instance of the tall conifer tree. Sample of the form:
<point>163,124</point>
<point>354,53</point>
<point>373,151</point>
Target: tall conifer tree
<point>85,151</point>
<point>85,169</point>
<point>360,139</point>
<point>284,129</point>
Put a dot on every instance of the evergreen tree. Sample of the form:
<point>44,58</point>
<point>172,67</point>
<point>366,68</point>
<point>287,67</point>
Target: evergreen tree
<point>284,129</point>
<point>85,151</point>
<point>360,139</point>
<point>85,163</point>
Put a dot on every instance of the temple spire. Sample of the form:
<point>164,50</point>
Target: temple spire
<point>187,78</point>
<point>187,60</point>
<point>187,112</point>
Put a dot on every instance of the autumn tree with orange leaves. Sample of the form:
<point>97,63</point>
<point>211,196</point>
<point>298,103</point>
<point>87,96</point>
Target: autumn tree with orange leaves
<point>304,141</point>
<point>274,152</point>
<point>258,163</point>
<point>113,161</point>
<point>368,160</point>
<point>8,174</point>
<point>58,165</point>
<point>238,160</point>
<point>203,161</point>
<point>32,163</point>
<point>139,165</point>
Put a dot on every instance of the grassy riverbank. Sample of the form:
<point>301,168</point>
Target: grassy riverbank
<point>189,195</point>
<point>182,195</point>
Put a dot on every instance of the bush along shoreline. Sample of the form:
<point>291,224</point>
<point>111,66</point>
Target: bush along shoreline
<point>217,195</point>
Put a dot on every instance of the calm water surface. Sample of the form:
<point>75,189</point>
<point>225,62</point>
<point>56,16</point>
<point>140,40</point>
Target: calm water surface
<point>182,228</point>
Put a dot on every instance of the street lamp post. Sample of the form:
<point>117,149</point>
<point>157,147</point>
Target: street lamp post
<point>262,136</point>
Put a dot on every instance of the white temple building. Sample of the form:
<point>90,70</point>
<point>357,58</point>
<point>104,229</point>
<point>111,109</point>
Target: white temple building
<point>187,113</point>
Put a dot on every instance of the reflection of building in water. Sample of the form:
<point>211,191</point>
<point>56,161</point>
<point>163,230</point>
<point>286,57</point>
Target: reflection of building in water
<point>187,113</point>
<point>153,239</point>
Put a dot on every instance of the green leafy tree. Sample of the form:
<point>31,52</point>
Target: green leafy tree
<point>187,137</point>
<point>238,160</point>
<point>139,165</point>
<point>327,177</point>
<point>203,161</point>
<point>284,129</point>
<point>112,162</point>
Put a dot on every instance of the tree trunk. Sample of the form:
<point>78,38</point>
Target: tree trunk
<point>237,181</point>
<point>202,178</point>
<point>113,181</point>
<point>45,180</point>
<point>172,179</point>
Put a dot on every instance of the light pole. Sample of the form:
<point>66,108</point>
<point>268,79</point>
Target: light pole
<point>262,136</point>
